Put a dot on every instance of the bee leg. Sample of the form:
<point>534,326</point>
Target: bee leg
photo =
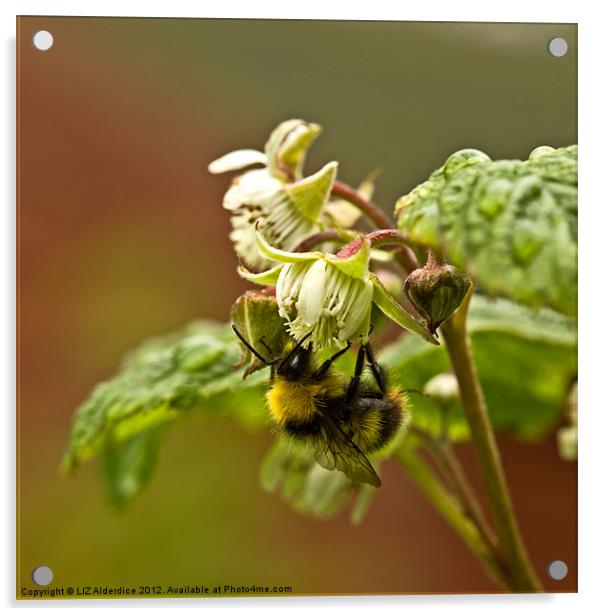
<point>355,381</point>
<point>415,391</point>
<point>377,371</point>
<point>325,367</point>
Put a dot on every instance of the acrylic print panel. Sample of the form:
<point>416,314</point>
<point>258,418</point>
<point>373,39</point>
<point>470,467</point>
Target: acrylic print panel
<point>168,474</point>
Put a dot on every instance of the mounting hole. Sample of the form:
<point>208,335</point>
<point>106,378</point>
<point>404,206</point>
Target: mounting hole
<point>558,47</point>
<point>42,576</point>
<point>557,569</point>
<point>43,40</point>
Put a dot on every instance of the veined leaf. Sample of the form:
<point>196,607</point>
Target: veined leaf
<point>309,488</point>
<point>510,224</point>
<point>160,381</point>
<point>525,360</point>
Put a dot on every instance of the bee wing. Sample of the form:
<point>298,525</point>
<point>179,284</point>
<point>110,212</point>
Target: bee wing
<point>338,451</point>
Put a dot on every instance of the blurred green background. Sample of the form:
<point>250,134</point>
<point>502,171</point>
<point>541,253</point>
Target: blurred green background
<point>122,236</point>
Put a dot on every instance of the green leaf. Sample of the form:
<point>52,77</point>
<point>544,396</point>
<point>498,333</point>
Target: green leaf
<point>325,492</point>
<point>128,466</point>
<point>284,469</point>
<point>525,360</point>
<point>510,224</point>
<point>309,488</point>
<point>363,502</point>
<point>158,383</point>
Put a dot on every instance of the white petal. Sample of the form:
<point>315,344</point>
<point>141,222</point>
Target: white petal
<point>311,296</point>
<point>344,213</point>
<point>356,314</point>
<point>283,286</point>
<point>252,187</point>
<point>239,159</point>
<point>289,285</point>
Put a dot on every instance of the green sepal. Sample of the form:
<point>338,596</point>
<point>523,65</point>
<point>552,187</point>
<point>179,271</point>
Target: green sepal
<point>311,193</point>
<point>284,256</point>
<point>255,315</point>
<point>269,277</point>
<point>396,312</point>
<point>356,264</point>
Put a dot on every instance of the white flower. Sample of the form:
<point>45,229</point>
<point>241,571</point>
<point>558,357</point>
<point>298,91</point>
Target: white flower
<point>322,299</point>
<point>328,297</point>
<point>288,206</point>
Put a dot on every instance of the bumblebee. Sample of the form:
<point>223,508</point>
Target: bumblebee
<point>341,419</point>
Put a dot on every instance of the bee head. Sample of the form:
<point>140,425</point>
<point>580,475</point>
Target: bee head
<point>296,363</point>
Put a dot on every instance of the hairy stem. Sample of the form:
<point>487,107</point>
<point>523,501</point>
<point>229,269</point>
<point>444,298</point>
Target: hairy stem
<point>387,238</point>
<point>511,549</point>
<point>378,218</point>
<point>385,233</point>
<point>451,511</point>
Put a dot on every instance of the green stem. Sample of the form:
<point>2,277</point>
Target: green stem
<point>451,469</point>
<point>512,551</point>
<point>519,574</point>
<point>451,511</point>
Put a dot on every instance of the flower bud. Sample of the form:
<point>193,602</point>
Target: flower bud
<point>567,435</point>
<point>287,147</point>
<point>255,315</point>
<point>436,291</point>
<point>443,387</point>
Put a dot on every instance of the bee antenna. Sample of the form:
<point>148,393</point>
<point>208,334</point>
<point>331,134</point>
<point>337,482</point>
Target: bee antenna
<point>250,347</point>
<point>304,338</point>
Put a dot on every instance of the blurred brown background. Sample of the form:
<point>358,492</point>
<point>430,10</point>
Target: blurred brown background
<point>122,236</point>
